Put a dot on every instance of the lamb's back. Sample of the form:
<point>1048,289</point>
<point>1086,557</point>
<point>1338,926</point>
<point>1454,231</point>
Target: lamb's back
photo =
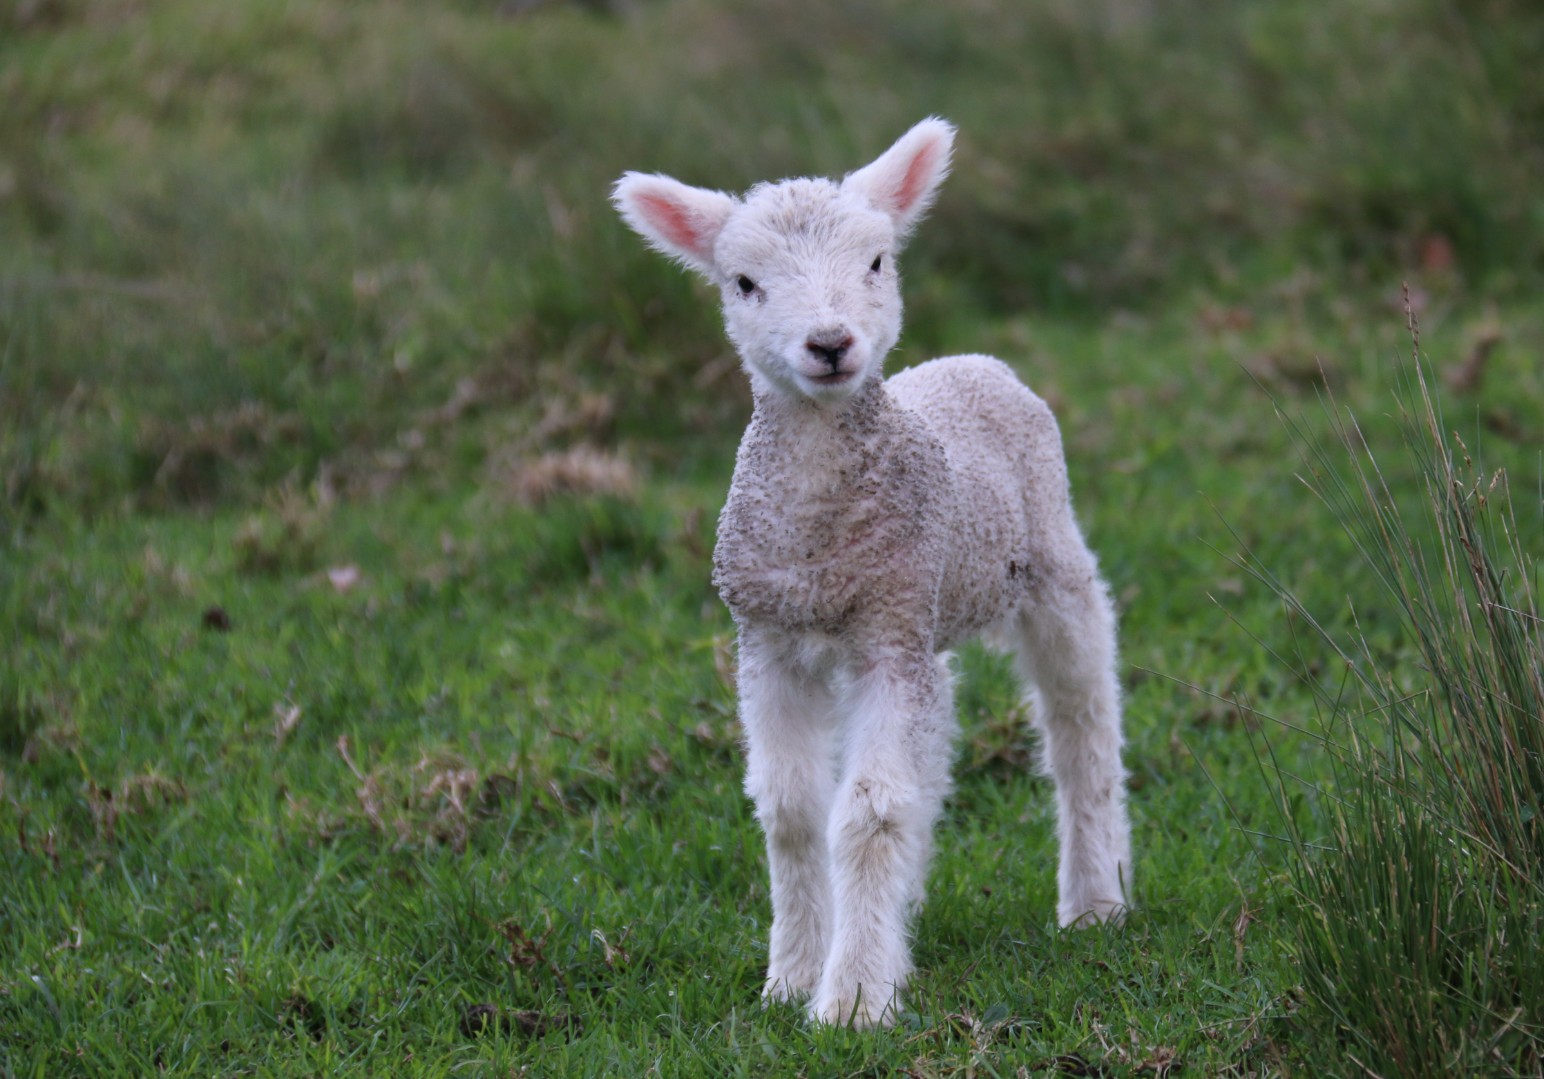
<point>983,413</point>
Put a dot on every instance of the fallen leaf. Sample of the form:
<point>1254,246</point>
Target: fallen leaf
<point>288,719</point>
<point>1160,1061</point>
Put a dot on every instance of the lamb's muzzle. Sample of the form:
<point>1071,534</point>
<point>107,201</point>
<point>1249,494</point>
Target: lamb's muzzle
<point>866,533</point>
<point>830,346</point>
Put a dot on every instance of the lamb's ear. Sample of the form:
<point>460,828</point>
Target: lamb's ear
<point>680,220</point>
<point>904,179</point>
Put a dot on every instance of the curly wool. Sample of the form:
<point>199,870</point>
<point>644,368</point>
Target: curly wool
<point>872,525</point>
<point>947,477</point>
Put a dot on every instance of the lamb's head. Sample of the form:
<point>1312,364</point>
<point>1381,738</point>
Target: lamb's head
<point>806,268</point>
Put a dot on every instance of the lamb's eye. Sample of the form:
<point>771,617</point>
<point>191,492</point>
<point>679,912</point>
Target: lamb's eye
<point>878,259</point>
<point>747,286</point>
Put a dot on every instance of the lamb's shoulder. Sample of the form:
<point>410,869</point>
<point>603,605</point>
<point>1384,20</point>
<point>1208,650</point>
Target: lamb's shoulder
<point>977,400</point>
<point>1008,485</point>
<point>1003,441</point>
<point>824,533</point>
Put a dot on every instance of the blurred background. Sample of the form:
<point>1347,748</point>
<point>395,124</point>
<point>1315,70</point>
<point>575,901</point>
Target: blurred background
<point>359,470</point>
<point>370,243</point>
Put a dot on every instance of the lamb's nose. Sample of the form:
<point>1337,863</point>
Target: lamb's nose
<point>830,347</point>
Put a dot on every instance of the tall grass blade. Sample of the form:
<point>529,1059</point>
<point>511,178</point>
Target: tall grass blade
<point>1420,929</point>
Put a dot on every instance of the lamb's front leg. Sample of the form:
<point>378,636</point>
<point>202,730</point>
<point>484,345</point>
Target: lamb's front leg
<point>895,777</point>
<point>790,773</point>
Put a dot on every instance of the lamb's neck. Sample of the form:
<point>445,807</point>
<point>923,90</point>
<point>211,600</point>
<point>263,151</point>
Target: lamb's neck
<point>798,422</point>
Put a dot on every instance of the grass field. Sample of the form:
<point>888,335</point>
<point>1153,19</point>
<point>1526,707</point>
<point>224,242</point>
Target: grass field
<point>365,707</point>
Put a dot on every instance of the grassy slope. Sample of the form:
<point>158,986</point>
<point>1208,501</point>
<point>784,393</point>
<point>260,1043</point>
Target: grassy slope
<point>298,287</point>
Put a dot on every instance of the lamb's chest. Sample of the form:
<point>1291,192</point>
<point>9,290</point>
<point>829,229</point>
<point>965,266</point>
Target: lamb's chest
<point>815,570</point>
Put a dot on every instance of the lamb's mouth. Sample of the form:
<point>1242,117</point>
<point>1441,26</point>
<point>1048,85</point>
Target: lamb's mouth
<point>832,378</point>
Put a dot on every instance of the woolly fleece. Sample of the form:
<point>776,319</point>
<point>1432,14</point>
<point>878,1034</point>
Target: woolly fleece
<point>872,525</point>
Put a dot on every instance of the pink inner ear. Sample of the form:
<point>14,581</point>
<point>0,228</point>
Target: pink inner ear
<point>672,220</point>
<point>914,183</point>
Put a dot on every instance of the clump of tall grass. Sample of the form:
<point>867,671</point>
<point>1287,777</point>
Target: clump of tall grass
<point>1420,924</point>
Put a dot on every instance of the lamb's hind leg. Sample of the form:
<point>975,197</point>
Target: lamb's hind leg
<point>1069,654</point>
<point>788,717</point>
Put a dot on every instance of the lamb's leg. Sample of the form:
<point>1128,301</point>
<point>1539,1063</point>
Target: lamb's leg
<point>895,778</point>
<point>1069,653</point>
<point>790,774</point>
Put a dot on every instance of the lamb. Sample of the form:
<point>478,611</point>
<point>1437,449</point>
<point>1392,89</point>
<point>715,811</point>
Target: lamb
<point>871,526</point>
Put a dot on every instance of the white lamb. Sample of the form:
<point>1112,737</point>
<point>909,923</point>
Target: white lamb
<point>873,524</point>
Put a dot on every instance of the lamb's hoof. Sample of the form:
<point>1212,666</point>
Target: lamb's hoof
<point>779,990</point>
<point>1092,912</point>
<point>858,1011</point>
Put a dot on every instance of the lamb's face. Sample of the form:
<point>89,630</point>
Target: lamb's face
<point>806,267</point>
<point>810,291</point>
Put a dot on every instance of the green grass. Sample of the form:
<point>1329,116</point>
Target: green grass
<point>310,293</point>
<point>482,737</point>
<point>1437,770</point>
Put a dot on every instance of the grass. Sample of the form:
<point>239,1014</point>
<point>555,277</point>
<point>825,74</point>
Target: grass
<point>307,836</point>
<point>1438,771</point>
<point>364,704</point>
